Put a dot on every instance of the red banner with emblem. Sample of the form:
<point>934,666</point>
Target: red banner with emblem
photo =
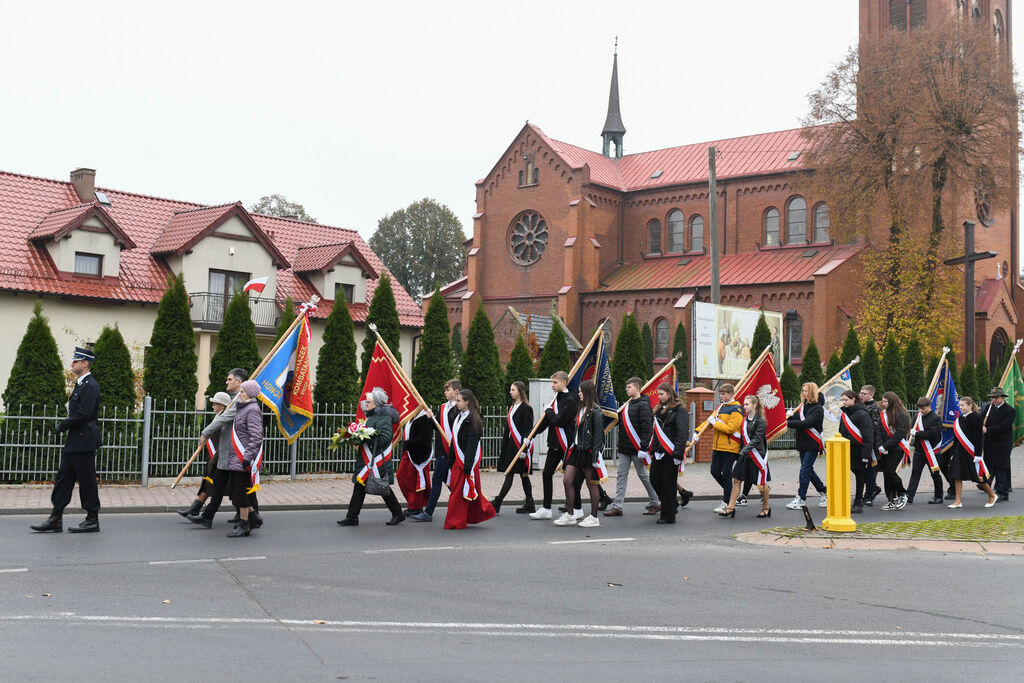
<point>762,382</point>
<point>383,373</point>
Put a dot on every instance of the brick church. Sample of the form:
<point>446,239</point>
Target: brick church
<point>569,235</point>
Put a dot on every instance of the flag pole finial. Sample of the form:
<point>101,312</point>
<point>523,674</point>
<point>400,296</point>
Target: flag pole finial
<point>372,326</point>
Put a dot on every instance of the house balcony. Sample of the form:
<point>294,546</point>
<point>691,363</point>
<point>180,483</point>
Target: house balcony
<point>207,312</point>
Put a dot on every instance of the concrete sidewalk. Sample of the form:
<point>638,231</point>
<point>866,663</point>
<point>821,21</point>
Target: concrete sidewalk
<point>325,492</point>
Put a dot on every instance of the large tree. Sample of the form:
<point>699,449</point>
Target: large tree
<point>790,385</point>
<point>113,371</point>
<point>520,365</point>
<point>983,375</point>
<point>628,358</point>
<point>236,343</point>
<point>871,366</point>
<point>384,314</point>
<point>968,385</point>
<point>915,383</point>
<point>422,246</point>
<point>648,347</point>
<point>36,381</point>
<point>281,206</point>
<point>810,369</point>
<point>834,365</point>
<point>762,339</point>
<point>481,368</point>
<point>337,377</point>
<point>457,348</point>
<point>555,355</point>
<point>434,361</point>
<point>681,347</point>
<point>892,368</point>
<point>170,362</point>
<point>851,350</point>
<point>287,316</point>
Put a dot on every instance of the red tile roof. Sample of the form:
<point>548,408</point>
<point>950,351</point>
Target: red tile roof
<point>321,256</point>
<point>769,266</point>
<point>26,202</point>
<point>186,228</point>
<point>988,293</point>
<point>60,222</point>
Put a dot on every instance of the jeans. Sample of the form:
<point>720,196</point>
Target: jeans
<point>808,475</point>
<point>441,467</point>
<point>721,469</point>
<point>625,460</point>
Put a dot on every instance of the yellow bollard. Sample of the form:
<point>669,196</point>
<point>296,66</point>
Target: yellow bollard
<point>837,474</point>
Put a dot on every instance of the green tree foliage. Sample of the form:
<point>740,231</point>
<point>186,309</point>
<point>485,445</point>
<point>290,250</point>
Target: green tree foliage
<point>834,366</point>
<point>790,385</point>
<point>913,371</point>
<point>279,205</point>
<point>555,355</point>
<point>933,365</point>
<point>384,313</point>
<point>983,376</point>
<point>951,359</point>
<point>422,246</point>
<point>762,338</point>
<point>37,377</point>
<point>628,359</point>
<point>287,316</point>
<point>434,362</point>
<point>457,349</point>
<point>892,368</point>
<point>337,377</point>
<point>648,347</point>
<point>681,346</point>
<point>872,366</point>
<point>236,343</point>
<point>851,349</point>
<point>481,369</point>
<point>810,370</point>
<point>968,385</point>
<point>520,365</point>
<point>171,362</point>
<point>113,371</point>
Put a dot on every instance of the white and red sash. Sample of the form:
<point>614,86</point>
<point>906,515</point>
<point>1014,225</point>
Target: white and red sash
<point>968,446</point>
<point>421,470</point>
<point>662,438</point>
<point>904,444</point>
<point>926,445</point>
<point>563,440</point>
<point>371,464</point>
<point>631,432</point>
<point>852,429</point>
<point>761,461</point>
<point>811,432</point>
<point>469,487</point>
<point>257,462</point>
<point>517,438</point>
<point>446,431</point>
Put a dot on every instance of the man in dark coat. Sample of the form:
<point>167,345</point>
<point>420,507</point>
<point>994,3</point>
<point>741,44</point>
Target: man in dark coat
<point>998,417</point>
<point>78,461</point>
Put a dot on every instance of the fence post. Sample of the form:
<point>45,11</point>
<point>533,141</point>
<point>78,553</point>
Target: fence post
<point>147,422</point>
<point>293,450</point>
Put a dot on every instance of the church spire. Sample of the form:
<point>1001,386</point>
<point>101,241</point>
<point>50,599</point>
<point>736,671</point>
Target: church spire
<point>614,129</point>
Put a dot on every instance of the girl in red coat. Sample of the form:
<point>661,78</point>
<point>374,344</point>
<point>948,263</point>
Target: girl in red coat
<point>466,502</point>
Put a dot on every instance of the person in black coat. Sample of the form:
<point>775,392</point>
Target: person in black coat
<point>587,447</point>
<point>867,398</point>
<point>927,434</point>
<point>752,464</point>
<point>967,460</point>
<point>635,425</point>
<point>997,418</point>
<point>560,421</point>
<point>807,420</point>
<point>443,452</point>
<point>518,424</point>
<point>668,447</point>
<point>855,425</point>
<point>895,429</point>
<point>78,461</point>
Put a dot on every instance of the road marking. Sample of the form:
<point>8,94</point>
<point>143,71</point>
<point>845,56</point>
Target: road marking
<point>13,571</point>
<point>210,559</point>
<point>410,550</point>
<point>592,540</point>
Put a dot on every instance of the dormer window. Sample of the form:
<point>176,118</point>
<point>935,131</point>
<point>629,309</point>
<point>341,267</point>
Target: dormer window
<point>348,290</point>
<point>88,264</point>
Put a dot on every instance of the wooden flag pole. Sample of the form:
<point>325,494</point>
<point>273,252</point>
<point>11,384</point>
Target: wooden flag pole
<point>575,367</point>
<point>931,388</point>
<point>829,381</point>
<point>312,302</point>
<point>647,384</point>
<point>1009,363</point>
<point>398,366</point>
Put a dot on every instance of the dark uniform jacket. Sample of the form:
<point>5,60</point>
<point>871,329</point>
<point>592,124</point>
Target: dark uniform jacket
<point>931,432</point>
<point>900,429</point>
<point>757,428</point>
<point>675,422</point>
<point>860,453</point>
<point>468,439</point>
<point>449,412</point>
<point>642,419</point>
<point>523,420</point>
<point>83,410</point>
<point>590,434</point>
<point>421,434</point>
<point>568,406</point>
<point>814,414</point>
<point>998,422</point>
<point>878,432</point>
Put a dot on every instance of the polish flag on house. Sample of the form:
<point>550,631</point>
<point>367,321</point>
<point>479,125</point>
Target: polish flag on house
<point>256,284</point>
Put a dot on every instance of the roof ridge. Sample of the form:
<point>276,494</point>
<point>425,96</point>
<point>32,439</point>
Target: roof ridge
<point>35,177</point>
<point>325,244</point>
<point>302,222</point>
<point>204,208</point>
<point>70,208</point>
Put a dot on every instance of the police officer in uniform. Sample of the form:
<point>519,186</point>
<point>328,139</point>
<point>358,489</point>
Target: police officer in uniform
<point>78,461</point>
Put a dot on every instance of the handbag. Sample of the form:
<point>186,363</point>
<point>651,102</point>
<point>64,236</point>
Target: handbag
<point>377,486</point>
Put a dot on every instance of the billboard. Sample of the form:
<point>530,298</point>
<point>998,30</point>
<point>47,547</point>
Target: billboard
<point>722,337</point>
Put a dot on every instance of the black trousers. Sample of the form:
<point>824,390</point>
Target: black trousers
<point>554,457</point>
<point>355,504</point>
<point>663,479</point>
<point>1001,481</point>
<point>915,476</point>
<point>216,492</point>
<point>893,481</point>
<point>81,468</point>
<point>861,483</point>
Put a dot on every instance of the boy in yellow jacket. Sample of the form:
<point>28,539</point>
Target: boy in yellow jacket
<point>726,421</point>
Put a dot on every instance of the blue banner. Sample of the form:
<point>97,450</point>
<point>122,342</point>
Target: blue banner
<point>946,404</point>
<point>284,382</point>
<point>594,366</point>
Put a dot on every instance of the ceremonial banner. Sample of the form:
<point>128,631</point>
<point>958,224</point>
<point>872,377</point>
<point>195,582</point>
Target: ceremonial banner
<point>593,365</point>
<point>945,403</point>
<point>385,374</point>
<point>763,382</point>
<point>833,390</point>
<point>1013,384</point>
<point>650,389</point>
<point>284,382</point>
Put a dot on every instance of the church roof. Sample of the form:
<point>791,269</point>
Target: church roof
<point>541,326</point>
<point>613,122</point>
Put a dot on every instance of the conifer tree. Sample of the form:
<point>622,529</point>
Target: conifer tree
<point>834,366</point>
<point>681,346</point>
<point>37,377</point>
<point>851,349</point>
<point>520,365</point>
<point>384,313</point>
<point>171,362</point>
<point>983,376</point>
<point>627,360</point>
<point>337,377</point>
<point>555,355</point>
<point>648,347</point>
<point>933,364</point>
<point>913,371</point>
<point>968,385</point>
<point>892,368</point>
<point>790,385</point>
<point>872,366</point>
<point>113,371</point>
<point>287,316</point>
<point>951,360</point>
<point>810,370</point>
<point>236,343</point>
<point>434,362</point>
<point>481,370</point>
<point>762,338</point>
<point>457,349</point>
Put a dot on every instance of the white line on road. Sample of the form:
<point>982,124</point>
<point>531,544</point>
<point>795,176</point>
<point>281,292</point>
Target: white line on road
<point>410,550</point>
<point>210,559</point>
<point>592,540</point>
<point>13,571</point>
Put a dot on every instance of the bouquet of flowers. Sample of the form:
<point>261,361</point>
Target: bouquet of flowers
<point>355,433</point>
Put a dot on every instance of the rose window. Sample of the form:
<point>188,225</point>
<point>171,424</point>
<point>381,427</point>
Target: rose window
<point>528,238</point>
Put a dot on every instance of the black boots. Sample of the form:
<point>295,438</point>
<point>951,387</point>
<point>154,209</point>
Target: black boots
<point>496,503</point>
<point>396,509</point>
<point>193,509</point>
<point>526,507</point>
<point>242,529</point>
<point>201,520</point>
<point>90,524</point>
<point>53,523</point>
<point>349,521</point>
<point>684,497</point>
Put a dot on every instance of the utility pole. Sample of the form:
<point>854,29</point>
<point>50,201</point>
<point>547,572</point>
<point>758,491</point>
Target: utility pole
<point>716,295</point>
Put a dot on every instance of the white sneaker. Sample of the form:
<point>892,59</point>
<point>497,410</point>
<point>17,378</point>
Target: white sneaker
<point>565,520</point>
<point>590,521</point>
<point>720,508</point>
<point>823,503</point>
<point>541,513</point>
<point>796,503</point>
<point>577,514</point>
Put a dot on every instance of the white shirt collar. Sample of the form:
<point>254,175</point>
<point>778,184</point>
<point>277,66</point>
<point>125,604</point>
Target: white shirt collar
<point>82,377</point>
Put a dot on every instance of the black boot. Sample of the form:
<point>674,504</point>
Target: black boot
<point>54,522</point>
<point>237,518</point>
<point>90,524</point>
<point>193,509</point>
<point>684,497</point>
<point>349,521</point>
<point>201,520</point>
<point>255,520</point>
<point>526,507</point>
<point>603,501</point>
<point>242,529</point>
<point>496,503</point>
<point>396,509</point>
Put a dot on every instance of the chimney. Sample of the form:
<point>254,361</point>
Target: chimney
<point>84,180</point>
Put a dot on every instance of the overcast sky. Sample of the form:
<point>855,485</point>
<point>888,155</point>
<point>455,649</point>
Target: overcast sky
<point>357,110</point>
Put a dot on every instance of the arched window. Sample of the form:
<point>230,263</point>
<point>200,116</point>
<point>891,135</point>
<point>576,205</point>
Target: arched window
<point>676,228</point>
<point>661,338</point>
<point>520,179</point>
<point>796,221</point>
<point>821,224</point>
<point>771,227</point>
<point>997,353</point>
<point>997,26</point>
<point>654,237</point>
<point>696,233</point>
<point>794,336</point>
<point>536,176</point>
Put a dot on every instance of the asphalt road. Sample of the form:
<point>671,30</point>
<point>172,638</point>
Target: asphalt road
<point>153,597</point>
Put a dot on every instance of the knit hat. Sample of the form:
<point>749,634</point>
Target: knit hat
<point>251,388</point>
<point>221,397</point>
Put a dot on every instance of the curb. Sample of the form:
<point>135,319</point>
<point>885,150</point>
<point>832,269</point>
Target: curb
<point>830,542</point>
